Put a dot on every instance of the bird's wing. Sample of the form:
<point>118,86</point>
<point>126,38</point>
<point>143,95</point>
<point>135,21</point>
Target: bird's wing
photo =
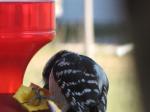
<point>77,82</point>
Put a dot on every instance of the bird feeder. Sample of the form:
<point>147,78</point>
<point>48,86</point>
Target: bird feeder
<point>25,26</point>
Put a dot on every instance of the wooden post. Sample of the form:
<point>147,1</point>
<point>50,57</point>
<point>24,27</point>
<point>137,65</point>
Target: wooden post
<point>140,20</point>
<point>88,28</point>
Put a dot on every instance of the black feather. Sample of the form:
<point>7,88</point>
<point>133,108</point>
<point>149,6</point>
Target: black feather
<point>49,65</point>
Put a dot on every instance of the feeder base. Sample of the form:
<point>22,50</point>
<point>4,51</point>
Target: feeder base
<point>9,104</point>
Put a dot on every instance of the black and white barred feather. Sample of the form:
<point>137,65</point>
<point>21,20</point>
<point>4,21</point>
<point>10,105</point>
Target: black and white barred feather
<point>81,81</point>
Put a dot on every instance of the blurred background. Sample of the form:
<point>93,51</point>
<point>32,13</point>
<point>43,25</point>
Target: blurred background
<point>102,30</point>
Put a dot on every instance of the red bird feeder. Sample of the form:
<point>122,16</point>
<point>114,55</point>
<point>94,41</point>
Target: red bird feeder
<point>25,26</point>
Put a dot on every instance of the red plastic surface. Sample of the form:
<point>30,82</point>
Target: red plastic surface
<point>24,28</point>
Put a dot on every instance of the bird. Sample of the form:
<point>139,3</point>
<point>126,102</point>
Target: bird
<point>76,82</point>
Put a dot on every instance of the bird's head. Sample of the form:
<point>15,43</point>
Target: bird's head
<point>49,65</point>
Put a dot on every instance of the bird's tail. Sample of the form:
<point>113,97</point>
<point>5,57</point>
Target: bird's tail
<point>94,109</point>
<point>102,102</point>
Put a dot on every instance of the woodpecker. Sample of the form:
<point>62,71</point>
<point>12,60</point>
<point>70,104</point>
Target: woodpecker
<point>76,82</point>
